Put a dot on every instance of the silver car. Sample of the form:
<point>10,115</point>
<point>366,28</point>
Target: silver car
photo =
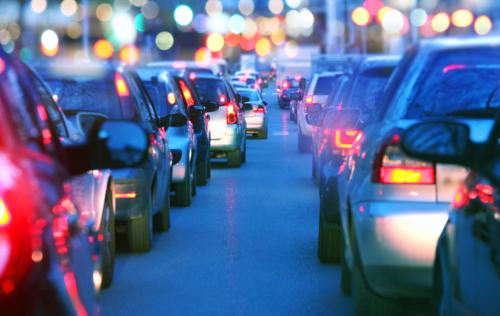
<point>227,124</point>
<point>397,206</point>
<point>167,99</point>
<point>316,93</point>
<point>256,117</point>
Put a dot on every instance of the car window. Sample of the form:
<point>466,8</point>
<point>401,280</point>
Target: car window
<point>368,87</point>
<point>251,94</point>
<point>457,82</point>
<point>209,89</point>
<point>324,85</point>
<point>335,98</point>
<point>54,113</point>
<point>143,101</point>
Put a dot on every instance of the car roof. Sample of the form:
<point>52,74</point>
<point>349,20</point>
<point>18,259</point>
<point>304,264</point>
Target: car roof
<point>380,61</point>
<point>247,90</point>
<point>329,74</point>
<point>439,44</point>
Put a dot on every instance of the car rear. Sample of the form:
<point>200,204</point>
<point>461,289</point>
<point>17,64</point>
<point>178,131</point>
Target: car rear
<point>400,204</point>
<point>257,117</point>
<point>226,132</point>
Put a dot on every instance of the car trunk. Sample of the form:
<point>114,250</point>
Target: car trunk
<point>218,123</point>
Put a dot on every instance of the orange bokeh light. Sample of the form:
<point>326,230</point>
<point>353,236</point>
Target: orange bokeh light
<point>129,54</point>
<point>360,16</point>
<point>103,49</point>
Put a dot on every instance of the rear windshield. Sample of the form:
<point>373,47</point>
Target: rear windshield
<point>210,89</point>
<point>458,83</point>
<point>368,88</point>
<point>324,85</point>
<point>251,94</point>
<point>87,94</point>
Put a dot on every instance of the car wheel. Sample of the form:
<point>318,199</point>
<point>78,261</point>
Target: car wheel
<point>108,248</point>
<point>209,168</point>
<point>234,158</point>
<point>202,173</point>
<point>365,301</point>
<point>329,241</point>
<point>194,178</point>
<point>161,220</point>
<point>183,191</point>
<point>303,143</point>
<point>140,231</point>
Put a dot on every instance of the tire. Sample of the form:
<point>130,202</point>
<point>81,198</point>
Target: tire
<point>161,220</point>
<point>364,300</point>
<point>234,159</point>
<point>202,173</point>
<point>183,191</point>
<point>193,181</point>
<point>108,248</point>
<point>140,231</point>
<point>329,241</point>
<point>304,145</point>
<point>209,168</point>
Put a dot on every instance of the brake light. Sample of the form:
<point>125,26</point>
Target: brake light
<point>192,76</point>
<point>256,86</point>
<point>309,99</point>
<point>392,166</point>
<point>347,142</point>
<point>5,216</point>
<point>259,81</point>
<point>171,98</point>
<point>260,109</point>
<point>121,85</point>
<point>186,93</point>
<point>285,84</point>
<point>231,114</point>
<point>126,195</point>
<point>222,99</point>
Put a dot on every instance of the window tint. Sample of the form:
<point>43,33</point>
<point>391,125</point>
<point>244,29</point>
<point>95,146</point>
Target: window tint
<point>368,88</point>
<point>324,85</point>
<point>457,82</point>
<point>210,89</point>
<point>251,94</point>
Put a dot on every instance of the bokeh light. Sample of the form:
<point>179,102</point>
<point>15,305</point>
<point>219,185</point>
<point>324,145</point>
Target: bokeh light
<point>103,49</point>
<point>68,7</point>
<point>183,15</point>
<point>38,6</point>
<point>150,10</point>
<point>292,49</point>
<point>202,54</point>
<point>215,42</point>
<point>49,43</point>
<point>462,18</point>
<point>237,24</point>
<point>440,22</point>
<point>213,7</point>
<point>483,25</point>
<point>276,6</point>
<point>164,41</point>
<point>124,28</point>
<point>263,47</point>
<point>360,16</point>
<point>246,7</point>
<point>104,12</point>
<point>393,22</point>
<point>294,4</point>
<point>418,17</point>
<point>129,55</point>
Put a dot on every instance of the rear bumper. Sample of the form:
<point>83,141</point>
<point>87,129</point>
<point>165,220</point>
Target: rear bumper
<point>230,142</point>
<point>256,124</point>
<point>397,244</point>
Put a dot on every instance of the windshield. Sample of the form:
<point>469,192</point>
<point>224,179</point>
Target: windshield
<point>368,88</point>
<point>210,89</point>
<point>324,85</point>
<point>251,94</point>
<point>457,83</point>
<point>87,94</point>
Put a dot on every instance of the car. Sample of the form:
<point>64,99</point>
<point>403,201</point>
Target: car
<point>102,91</point>
<point>48,244</point>
<point>167,99</point>
<point>295,98</point>
<point>317,92</point>
<point>466,267</point>
<point>286,92</point>
<point>339,131</point>
<point>256,118</point>
<point>396,206</point>
<point>227,124</point>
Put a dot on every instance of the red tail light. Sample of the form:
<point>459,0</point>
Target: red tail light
<point>5,216</point>
<point>259,81</point>
<point>285,84</point>
<point>222,99</point>
<point>260,109</point>
<point>392,166</point>
<point>231,114</point>
<point>186,93</point>
<point>309,99</point>
<point>347,142</point>
<point>121,85</point>
<point>192,76</point>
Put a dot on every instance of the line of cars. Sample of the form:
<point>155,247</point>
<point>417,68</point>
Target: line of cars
<point>405,153</point>
<point>94,154</point>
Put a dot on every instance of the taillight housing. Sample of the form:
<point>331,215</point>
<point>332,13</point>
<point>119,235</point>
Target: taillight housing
<point>121,85</point>
<point>231,114</point>
<point>347,142</point>
<point>392,166</point>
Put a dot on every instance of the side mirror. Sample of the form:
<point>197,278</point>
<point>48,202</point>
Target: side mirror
<point>247,107</point>
<point>446,142</point>
<point>111,144</point>
<point>264,102</point>
<point>196,110</point>
<point>211,106</point>
<point>174,120</point>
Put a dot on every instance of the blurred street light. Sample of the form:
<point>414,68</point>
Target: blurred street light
<point>483,25</point>
<point>360,16</point>
<point>462,18</point>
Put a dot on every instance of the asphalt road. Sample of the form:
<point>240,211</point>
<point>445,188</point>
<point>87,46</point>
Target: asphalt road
<point>246,246</point>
